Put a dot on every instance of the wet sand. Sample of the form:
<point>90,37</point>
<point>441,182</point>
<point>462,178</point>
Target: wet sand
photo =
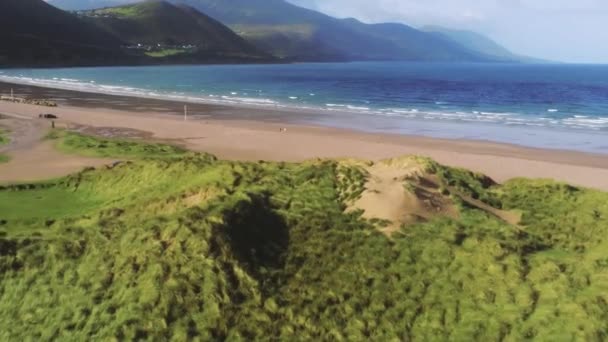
<point>242,133</point>
<point>34,159</point>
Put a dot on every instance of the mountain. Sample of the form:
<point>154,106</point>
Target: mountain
<point>176,33</point>
<point>475,42</point>
<point>417,44</point>
<point>35,33</point>
<point>482,44</point>
<point>293,32</point>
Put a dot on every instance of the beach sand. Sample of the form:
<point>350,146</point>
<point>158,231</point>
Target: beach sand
<point>265,134</point>
<point>32,158</point>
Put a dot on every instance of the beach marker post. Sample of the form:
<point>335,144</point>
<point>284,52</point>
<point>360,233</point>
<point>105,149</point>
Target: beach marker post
<point>12,95</point>
<point>185,112</point>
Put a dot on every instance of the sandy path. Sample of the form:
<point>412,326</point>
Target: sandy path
<point>34,159</point>
<point>248,140</point>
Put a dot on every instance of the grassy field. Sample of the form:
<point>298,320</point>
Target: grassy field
<point>176,245</point>
<point>123,11</point>
<point>73,143</point>
<point>166,53</point>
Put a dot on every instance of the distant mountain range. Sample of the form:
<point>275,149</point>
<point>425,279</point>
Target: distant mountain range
<point>296,33</point>
<point>183,31</point>
<point>480,43</point>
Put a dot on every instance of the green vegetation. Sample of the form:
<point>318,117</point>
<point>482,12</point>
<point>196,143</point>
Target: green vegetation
<point>4,139</point>
<point>165,53</point>
<point>183,246</point>
<point>70,142</point>
<point>123,11</point>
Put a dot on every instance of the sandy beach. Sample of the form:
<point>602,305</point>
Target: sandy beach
<point>213,129</point>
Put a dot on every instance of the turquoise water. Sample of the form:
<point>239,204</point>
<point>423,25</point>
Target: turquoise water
<point>560,106</point>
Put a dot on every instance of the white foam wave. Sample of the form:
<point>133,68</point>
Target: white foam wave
<point>357,108</point>
<point>578,121</point>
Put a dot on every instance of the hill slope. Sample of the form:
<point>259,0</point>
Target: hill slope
<point>33,32</point>
<point>293,32</point>
<point>165,30</point>
<point>418,45</point>
<point>474,41</point>
<point>181,246</point>
<point>482,44</point>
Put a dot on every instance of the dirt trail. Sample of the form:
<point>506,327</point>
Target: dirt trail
<point>32,158</point>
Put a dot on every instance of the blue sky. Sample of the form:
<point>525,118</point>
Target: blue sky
<point>565,30</point>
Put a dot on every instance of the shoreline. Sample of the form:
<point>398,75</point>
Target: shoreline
<point>421,124</point>
<point>239,133</point>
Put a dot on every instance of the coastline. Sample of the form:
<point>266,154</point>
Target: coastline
<point>243,133</point>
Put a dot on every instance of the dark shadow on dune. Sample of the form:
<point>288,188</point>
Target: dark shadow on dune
<point>257,235</point>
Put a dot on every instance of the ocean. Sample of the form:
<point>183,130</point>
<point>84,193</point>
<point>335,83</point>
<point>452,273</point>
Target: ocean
<point>548,106</point>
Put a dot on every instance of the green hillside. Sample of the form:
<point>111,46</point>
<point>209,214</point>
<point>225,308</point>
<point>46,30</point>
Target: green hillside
<point>175,245</point>
<point>162,30</point>
<point>35,33</point>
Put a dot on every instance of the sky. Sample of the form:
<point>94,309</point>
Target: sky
<point>560,30</point>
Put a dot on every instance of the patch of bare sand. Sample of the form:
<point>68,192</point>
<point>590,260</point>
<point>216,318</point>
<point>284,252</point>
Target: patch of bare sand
<point>390,195</point>
<point>399,192</point>
<point>33,159</point>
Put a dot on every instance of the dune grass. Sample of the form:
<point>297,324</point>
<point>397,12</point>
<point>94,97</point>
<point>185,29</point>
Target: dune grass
<point>4,139</point>
<point>176,245</point>
<point>75,143</point>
